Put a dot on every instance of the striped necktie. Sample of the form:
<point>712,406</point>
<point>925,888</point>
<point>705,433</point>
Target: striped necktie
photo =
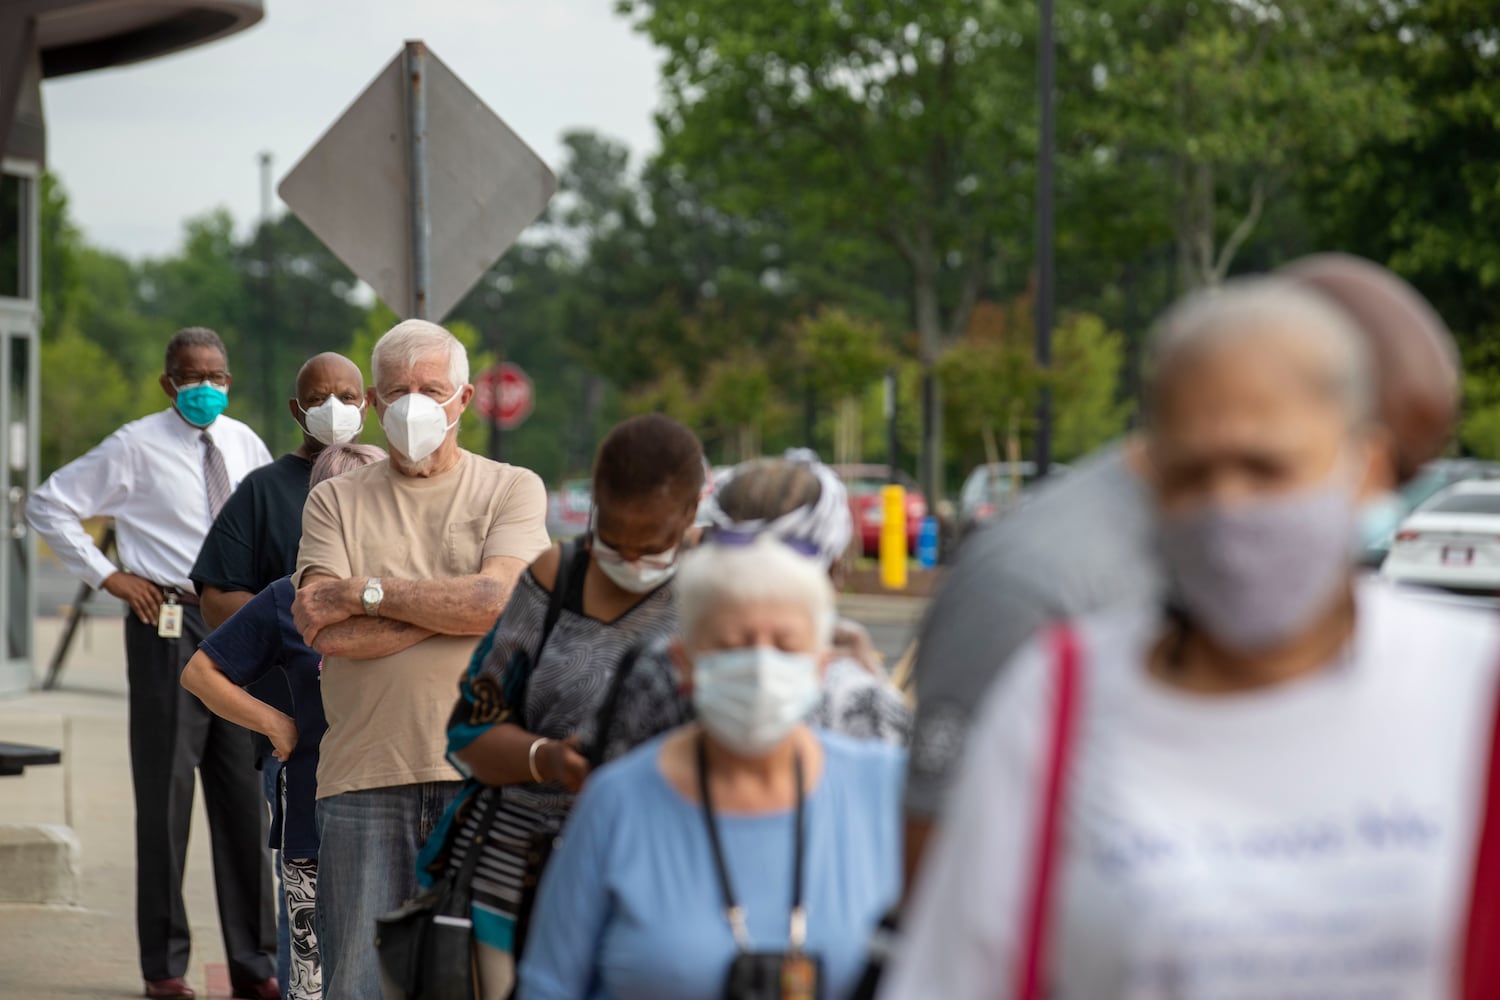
<point>215,475</point>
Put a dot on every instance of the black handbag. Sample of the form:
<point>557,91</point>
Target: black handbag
<point>426,947</point>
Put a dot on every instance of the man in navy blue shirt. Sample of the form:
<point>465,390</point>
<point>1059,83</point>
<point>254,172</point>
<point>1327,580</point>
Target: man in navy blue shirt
<point>253,542</point>
<point>244,652</point>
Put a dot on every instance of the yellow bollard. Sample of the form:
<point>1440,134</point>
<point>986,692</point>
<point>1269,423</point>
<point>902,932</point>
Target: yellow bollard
<point>893,553</point>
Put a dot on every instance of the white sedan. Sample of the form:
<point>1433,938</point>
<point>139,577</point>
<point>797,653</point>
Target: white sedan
<point>1451,541</point>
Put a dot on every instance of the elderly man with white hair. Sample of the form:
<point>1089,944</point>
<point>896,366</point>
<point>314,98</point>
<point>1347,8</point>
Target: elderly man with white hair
<point>1273,784</point>
<point>404,565</point>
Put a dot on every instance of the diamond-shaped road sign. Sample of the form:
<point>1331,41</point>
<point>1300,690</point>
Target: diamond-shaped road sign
<point>484,186</point>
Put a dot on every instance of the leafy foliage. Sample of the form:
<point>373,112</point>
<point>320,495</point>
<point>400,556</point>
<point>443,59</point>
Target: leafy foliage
<point>846,187</point>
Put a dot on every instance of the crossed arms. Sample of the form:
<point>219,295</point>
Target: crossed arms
<point>330,614</point>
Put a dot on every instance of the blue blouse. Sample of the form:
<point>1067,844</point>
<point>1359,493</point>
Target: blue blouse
<point>630,906</point>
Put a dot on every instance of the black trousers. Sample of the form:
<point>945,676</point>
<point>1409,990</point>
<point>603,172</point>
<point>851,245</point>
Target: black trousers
<point>172,734</point>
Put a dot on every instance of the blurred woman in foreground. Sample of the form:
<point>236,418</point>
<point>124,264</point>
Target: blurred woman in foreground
<point>744,855</point>
<point>1277,787</point>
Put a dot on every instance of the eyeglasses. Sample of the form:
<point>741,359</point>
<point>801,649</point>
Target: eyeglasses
<point>181,378</point>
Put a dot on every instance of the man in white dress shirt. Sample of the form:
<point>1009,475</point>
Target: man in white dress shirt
<point>163,478</point>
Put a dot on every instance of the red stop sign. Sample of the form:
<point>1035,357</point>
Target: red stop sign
<point>504,394</point>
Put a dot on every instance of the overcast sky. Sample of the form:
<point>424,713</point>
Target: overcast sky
<point>142,148</point>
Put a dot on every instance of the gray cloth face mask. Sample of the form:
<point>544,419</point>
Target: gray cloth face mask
<point>1254,574</point>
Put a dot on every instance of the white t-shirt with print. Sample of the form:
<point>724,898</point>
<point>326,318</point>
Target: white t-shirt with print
<point>1310,840</point>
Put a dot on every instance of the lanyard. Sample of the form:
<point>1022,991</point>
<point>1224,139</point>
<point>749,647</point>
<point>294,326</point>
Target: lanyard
<point>733,911</point>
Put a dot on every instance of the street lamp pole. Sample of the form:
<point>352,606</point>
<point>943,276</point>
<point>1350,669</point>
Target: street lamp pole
<point>272,426</point>
<point>1047,141</point>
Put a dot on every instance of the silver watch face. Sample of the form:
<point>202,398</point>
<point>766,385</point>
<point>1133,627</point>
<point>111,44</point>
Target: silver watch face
<point>373,594</point>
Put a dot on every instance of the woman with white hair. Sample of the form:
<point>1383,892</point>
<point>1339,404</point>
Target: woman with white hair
<point>1276,787</point>
<point>746,854</point>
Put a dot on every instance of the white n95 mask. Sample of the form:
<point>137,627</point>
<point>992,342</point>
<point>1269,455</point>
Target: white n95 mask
<point>333,421</point>
<point>416,425</point>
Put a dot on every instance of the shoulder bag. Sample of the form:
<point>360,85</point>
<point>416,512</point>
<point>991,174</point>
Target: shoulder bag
<point>1036,919</point>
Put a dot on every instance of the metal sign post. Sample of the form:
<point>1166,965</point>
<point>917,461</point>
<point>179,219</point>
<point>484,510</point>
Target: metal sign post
<point>416,166</point>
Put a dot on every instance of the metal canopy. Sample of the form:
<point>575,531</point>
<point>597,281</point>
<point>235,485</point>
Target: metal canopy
<point>45,38</point>
<point>75,36</point>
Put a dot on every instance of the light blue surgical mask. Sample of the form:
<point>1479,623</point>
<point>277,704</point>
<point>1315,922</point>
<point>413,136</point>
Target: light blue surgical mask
<point>200,403</point>
<point>751,699</point>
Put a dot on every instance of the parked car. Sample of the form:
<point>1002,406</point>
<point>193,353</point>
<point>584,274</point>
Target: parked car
<point>865,483</point>
<point>568,509</point>
<point>1452,541</point>
<point>1375,546</point>
<point>991,490</point>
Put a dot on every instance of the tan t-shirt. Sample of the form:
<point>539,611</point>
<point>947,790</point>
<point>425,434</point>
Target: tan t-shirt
<point>388,717</point>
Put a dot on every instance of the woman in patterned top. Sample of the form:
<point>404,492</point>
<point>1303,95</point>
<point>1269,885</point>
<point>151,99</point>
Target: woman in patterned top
<point>618,593</point>
<point>804,504</point>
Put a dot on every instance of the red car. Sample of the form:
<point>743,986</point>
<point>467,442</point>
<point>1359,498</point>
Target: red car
<point>865,483</point>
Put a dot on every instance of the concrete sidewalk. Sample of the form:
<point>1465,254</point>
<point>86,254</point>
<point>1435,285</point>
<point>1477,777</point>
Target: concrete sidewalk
<point>57,952</point>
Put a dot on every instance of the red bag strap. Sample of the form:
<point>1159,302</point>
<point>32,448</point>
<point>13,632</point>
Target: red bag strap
<point>1064,644</point>
<point>1481,960</point>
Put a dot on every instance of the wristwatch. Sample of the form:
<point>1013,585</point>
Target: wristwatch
<point>372,595</point>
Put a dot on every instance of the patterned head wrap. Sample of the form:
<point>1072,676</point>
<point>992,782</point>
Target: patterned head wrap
<point>820,530</point>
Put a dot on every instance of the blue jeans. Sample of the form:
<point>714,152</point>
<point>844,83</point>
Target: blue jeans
<point>270,773</point>
<point>367,866</point>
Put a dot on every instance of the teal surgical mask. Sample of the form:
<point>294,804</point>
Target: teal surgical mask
<point>200,403</point>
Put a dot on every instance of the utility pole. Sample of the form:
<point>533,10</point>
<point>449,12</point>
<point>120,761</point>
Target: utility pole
<point>268,379</point>
<point>1046,87</point>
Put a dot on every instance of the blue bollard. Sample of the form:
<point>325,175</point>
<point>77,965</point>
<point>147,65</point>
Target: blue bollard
<point>927,543</point>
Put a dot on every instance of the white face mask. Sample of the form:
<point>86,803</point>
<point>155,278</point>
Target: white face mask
<point>333,421</point>
<point>751,699</point>
<point>639,577</point>
<point>416,425</point>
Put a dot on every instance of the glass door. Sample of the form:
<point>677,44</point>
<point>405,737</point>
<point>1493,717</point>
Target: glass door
<point>19,378</point>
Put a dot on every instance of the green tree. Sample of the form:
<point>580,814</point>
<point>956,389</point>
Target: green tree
<point>1086,384</point>
<point>1426,200</point>
<point>1480,431</point>
<point>888,123</point>
<point>61,245</point>
<point>990,391</point>
<point>1224,103</point>
<point>92,397</point>
<point>842,357</point>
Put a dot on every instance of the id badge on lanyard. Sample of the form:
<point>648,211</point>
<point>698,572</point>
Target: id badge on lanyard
<point>169,618</point>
